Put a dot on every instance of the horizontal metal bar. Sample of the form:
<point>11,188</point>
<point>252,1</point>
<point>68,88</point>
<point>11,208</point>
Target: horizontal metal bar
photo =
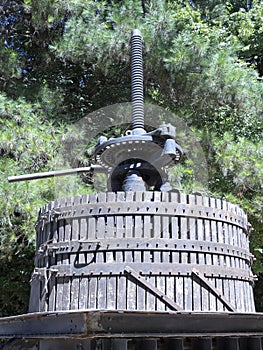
<point>172,209</point>
<point>155,245</point>
<point>64,172</point>
<point>146,269</point>
<point>131,324</point>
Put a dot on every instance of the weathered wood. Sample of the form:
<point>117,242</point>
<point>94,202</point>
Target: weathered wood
<point>213,289</point>
<point>121,288</point>
<point>153,289</point>
<point>59,293</point>
<point>93,293</point>
<point>164,235</point>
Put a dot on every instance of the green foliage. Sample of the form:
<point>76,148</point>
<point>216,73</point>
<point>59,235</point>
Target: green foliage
<point>28,143</point>
<point>247,27</point>
<point>9,63</point>
<point>15,289</point>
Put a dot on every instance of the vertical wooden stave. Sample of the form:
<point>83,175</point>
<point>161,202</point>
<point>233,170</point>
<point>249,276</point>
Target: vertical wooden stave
<point>162,259</point>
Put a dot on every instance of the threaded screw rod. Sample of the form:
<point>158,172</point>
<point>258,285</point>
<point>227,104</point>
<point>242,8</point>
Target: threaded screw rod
<point>137,82</point>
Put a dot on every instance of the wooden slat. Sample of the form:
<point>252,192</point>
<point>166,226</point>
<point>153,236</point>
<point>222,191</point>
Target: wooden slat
<point>91,221</point>
<point>197,296</point>
<point>230,226</point>
<point>214,235</point>
<point>148,219</point>
<point>128,223</point>
<point>174,221</point>
<point>110,227</point>
<point>112,292</point>
<point>160,285</point>
<point>131,294</point>
<point>110,220</point>
<point>179,290</point>
<point>141,298</point>
<point>157,226</point>
<point>220,231</point>
<point>68,223</point>
<point>183,223</point>
<point>66,293</point>
<point>122,292</point>
<point>101,227</point>
<point>75,222</point>
<point>211,296</point>
<point>210,284</point>
<point>150,298</point>
<point>170,288</point>
<point>101,285</point>
<point>52,292</point>
<point>59,293</point>
<point>200,230</point>
<point>75,293</point>
<point>246,301</point>
<point>192,227</point>
<point>207,233</point>
<point>239,290</point>
<point>188,290</point>
<point>83,292</point>
<point>102,292</point>
<point>219,287</point>
<point>120,221</point>
<point>83,221</point>
<point>61,224</point>
<point>159,294</point>
<point>51,228</point>
<point>43,293</point>
<point>35,294</point>
<point>175,226</point>
<point>250,291</point>
<point>93,292</point>
<point>39,227</point>
<point>138,226</point>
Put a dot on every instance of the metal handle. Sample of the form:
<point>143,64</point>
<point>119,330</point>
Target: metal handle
<point>43,175</point>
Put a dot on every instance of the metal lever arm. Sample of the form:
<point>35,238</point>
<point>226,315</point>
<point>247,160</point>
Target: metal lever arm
<point>64,172</point>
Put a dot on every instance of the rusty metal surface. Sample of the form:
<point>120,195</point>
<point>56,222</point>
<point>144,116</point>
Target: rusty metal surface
<point>112,324</point>
<point>202,343</point>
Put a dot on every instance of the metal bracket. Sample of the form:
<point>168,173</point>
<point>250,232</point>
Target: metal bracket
<point>145,284</point>
<point>213,290</point>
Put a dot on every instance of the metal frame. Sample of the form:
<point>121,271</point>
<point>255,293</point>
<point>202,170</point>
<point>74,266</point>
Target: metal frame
<point>113,324</point>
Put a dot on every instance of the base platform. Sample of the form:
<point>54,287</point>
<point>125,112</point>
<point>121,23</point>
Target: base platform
<point>125,330</point>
